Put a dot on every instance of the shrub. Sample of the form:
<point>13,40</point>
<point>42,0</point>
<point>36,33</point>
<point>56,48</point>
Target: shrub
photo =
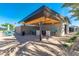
<point>77,33</point>
<point>65,45</point>
<point>72,39</point>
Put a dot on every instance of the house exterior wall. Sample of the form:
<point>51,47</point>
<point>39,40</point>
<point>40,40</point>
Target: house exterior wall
<point>58,31</point>
<point>54,30</point>
<point>18,29</point>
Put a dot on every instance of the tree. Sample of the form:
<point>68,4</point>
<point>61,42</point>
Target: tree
<point>74,9</point>
<point>8,26</point>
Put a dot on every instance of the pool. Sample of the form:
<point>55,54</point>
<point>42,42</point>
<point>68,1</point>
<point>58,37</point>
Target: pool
<point>8,33</point>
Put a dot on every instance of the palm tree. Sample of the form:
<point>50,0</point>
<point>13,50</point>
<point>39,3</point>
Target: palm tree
<point>74,9</point>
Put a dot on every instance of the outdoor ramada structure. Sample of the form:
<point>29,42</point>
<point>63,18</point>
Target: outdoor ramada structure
<point>44,21</point>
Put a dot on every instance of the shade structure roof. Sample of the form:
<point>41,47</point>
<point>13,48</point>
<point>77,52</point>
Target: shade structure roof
<point>42,14</point>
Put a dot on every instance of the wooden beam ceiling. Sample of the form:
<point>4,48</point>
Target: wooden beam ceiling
<point>43,20</point>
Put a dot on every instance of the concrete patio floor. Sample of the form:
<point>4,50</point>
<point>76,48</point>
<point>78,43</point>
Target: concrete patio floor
<point>47,47</point>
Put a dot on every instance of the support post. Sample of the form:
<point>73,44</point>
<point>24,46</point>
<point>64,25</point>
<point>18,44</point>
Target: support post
<point>40,28</point>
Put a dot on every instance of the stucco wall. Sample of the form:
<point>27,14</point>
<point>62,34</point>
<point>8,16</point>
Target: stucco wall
<point>18,29</point>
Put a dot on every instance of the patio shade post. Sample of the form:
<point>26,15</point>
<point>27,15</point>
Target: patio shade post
<point>40,28</point>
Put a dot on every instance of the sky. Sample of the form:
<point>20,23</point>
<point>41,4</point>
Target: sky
<point>15,12</point>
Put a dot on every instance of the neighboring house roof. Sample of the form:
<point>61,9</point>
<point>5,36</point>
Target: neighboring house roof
<point>43,11</point>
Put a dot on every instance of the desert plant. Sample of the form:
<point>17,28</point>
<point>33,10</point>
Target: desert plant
<point>77,33</point>
<point>65,45</point>
<point>72,39</point>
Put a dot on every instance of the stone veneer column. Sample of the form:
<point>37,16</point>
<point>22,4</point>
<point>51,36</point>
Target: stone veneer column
<point>48,33</point>
<point>37,32</point>
<point>62,29</point>
<point>67,29</point>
